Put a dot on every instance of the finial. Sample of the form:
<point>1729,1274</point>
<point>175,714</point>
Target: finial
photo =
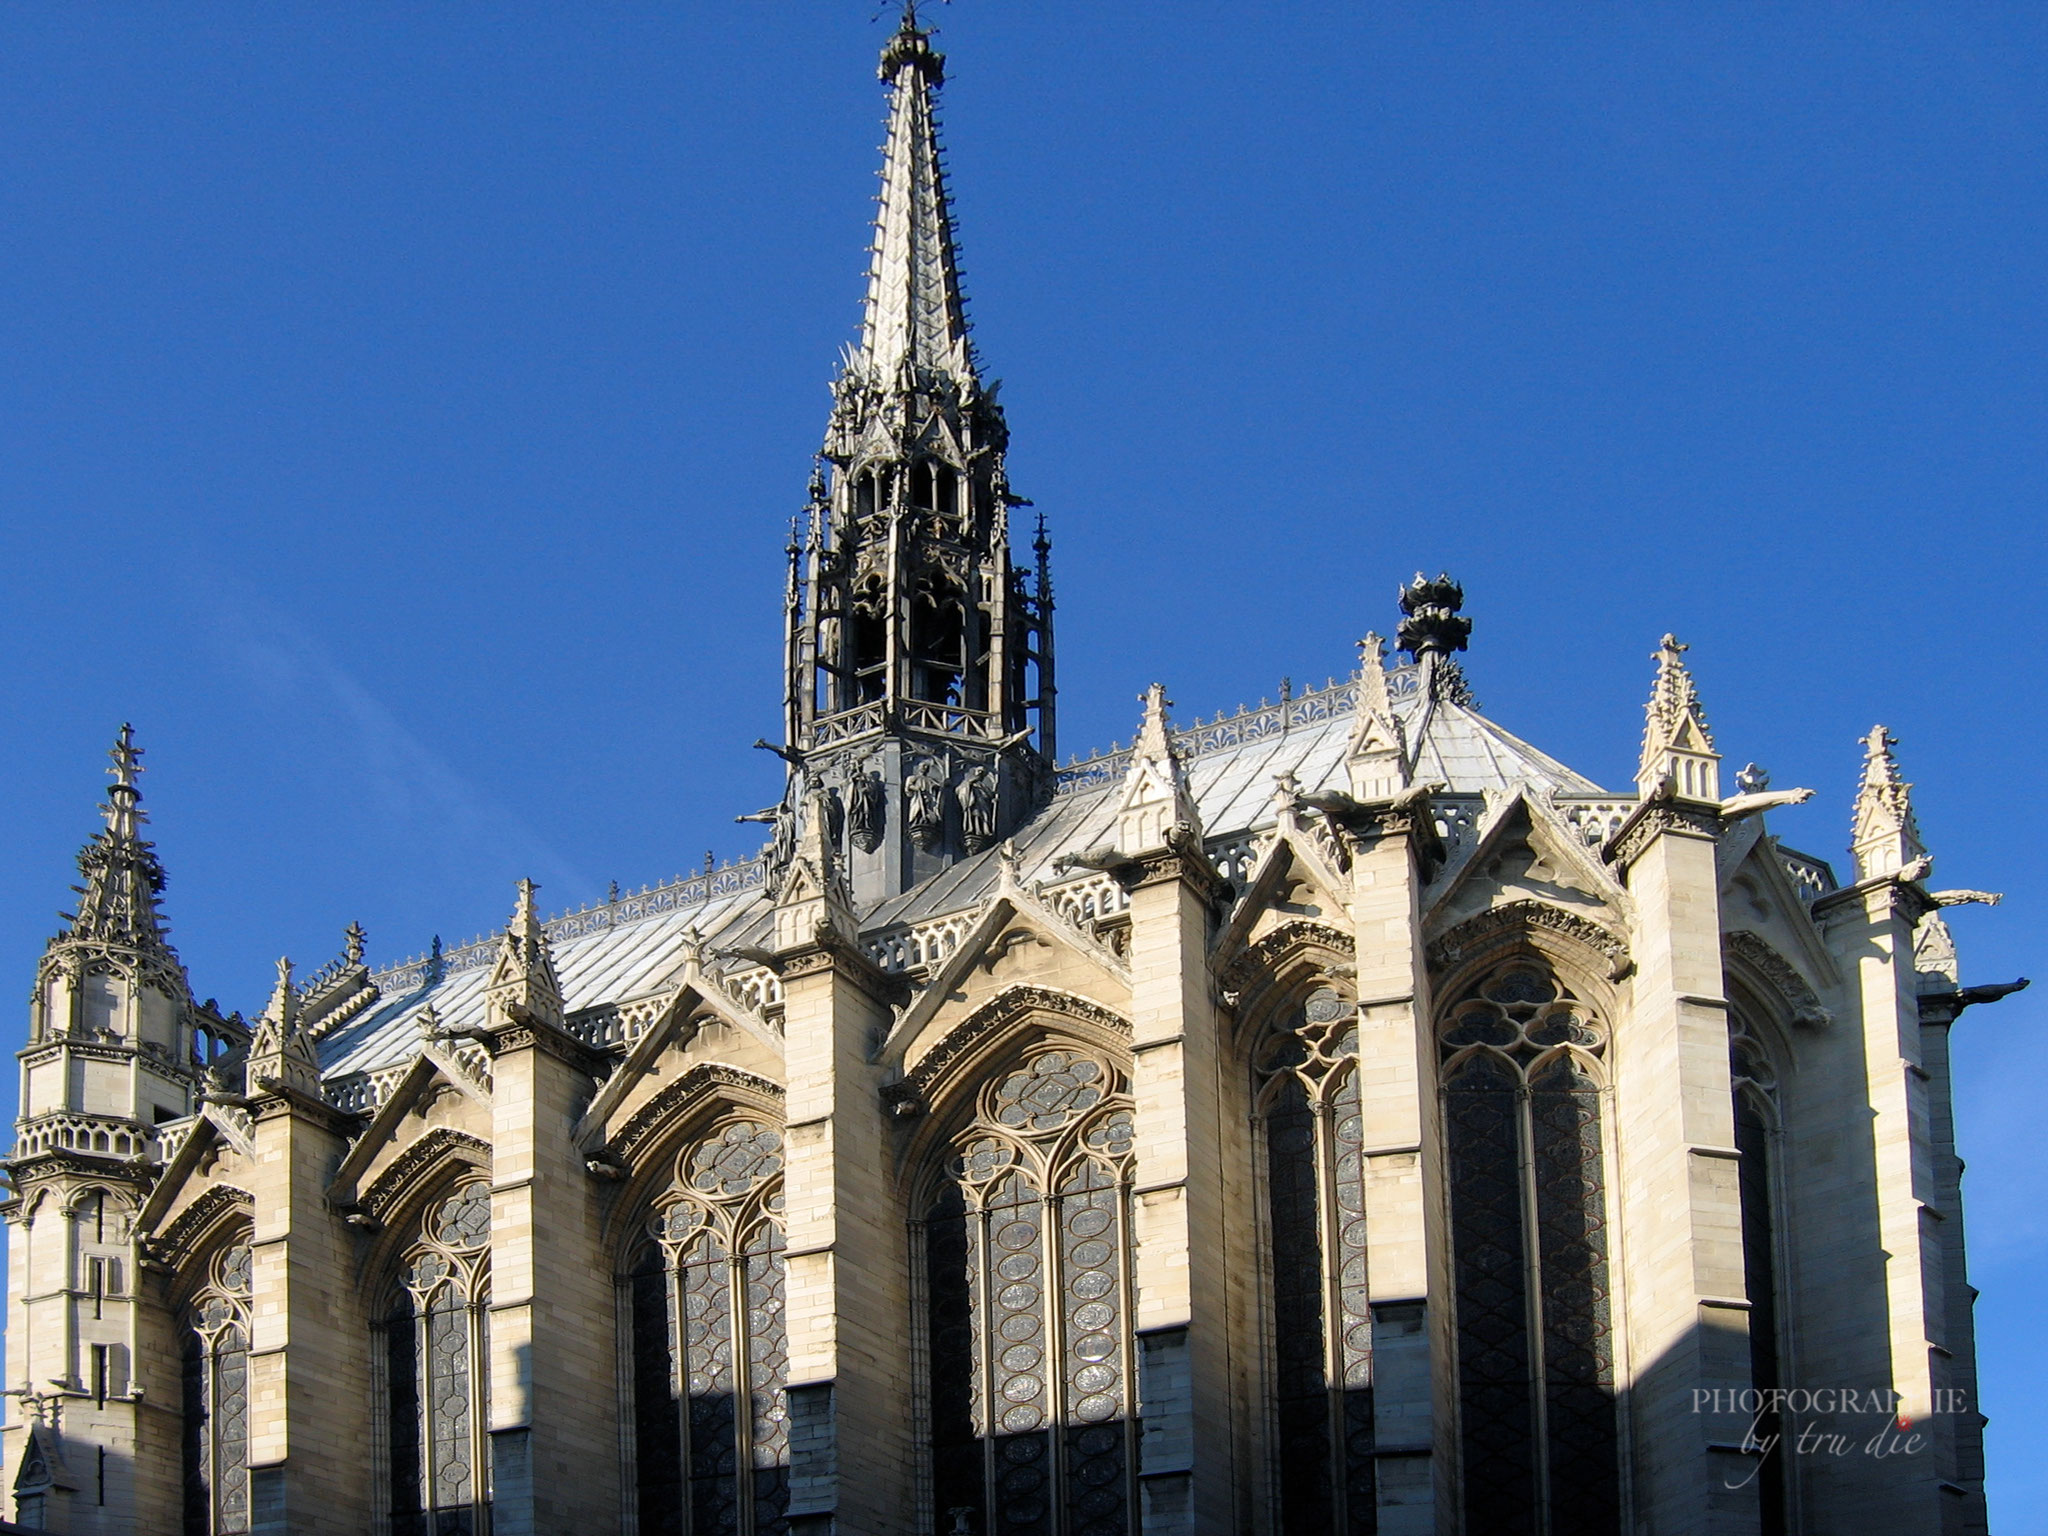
<point>1753,779</point>
<point>912,45</point>
<point>1430,620</point>
<point>611,894</point>
<point>127,757</point>
<point>353,940</point>
<point>1372,653</point>
<point>524,918</point>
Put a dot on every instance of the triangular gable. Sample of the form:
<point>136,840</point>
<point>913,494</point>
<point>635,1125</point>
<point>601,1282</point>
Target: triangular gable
<point>694,990</point>
<point>1561,870</point>
<point>431,1067</point>
<point>1292,856</point>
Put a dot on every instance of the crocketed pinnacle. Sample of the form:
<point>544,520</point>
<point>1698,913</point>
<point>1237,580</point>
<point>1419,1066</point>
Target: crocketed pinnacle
<point>1673,717</point>
<point>523,987</point>
<point>1885,836</point>
<point>916,320</point>
<point>123,877</point>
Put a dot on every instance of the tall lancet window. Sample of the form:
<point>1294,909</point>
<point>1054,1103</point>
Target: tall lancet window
<point>1028,1314</point>
<point>1306,1081</point>
<point>1521,1094</point>
<point>217,1399</point>
<point>437,1358</point>
<point>1756,1129</point>
<point>710,1353</point>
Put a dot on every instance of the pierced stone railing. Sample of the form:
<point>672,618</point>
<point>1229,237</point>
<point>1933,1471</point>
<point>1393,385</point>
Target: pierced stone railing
<point>921,945</point>
<point>617,1026</point>
<point>757,988</point>
<point>1088,901</point>
<point>1813,877</point>
<point>364,1093</point>
<point>1596,820</point>
<point>1235,857</point>
<point>848,723</point>
<point>1457,820</point>
<point>172,1135</point>
<point>75,1131</point>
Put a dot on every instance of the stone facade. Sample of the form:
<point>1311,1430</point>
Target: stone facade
<point>1340,1116</point>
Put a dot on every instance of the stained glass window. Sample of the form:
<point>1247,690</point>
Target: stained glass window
<point>1306,1086</point>
<point>1027,1312</point>
<point>1755,1089</point>
<point>710,1345</point>
<point>217,1399</point>
<point>1529,1243</point>
<point>437,1373</point>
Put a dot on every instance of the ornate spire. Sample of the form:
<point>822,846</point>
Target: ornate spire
<point>523,988</point>
<point>1155,798</point>
<point>123,878</point>
<point>918,653</point>
<point>1886,836</point>
<point>1378,754</point>
<point>1677,746</point>
<point>915,322</point>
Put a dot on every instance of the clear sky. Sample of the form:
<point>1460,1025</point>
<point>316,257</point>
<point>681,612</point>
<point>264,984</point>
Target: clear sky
<point>401,409</point>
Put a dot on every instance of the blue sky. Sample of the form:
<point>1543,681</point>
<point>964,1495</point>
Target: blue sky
<point>401,408</point>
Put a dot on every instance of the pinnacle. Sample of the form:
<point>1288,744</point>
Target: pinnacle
<point>123,878</point>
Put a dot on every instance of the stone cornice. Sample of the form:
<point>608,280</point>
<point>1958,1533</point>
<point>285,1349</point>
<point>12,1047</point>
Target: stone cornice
<point>1655,817</point>
<point>58,1161</point>
<point>549,1039</point>
<point>832,951</point>
<point>1901,895</point>
<point>276,1099</point>
<point>1485,930</point>
<point>1183,858</point>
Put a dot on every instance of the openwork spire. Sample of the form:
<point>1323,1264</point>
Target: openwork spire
<point>123,877</point>
<point>1886,835</point>
<point>1677,746</point>
<point>524,988</point>
<point>915,324</point>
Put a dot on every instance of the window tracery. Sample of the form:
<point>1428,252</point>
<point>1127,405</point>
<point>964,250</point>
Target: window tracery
<point>438,1372</point>
<point>1305,1079</point>
<point>709,1342</point>
<point>216,1350</point>
<point>1027,1309</point>
<point>1521,1088</point>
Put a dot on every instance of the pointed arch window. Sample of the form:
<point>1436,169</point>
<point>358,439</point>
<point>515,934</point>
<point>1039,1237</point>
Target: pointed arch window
<point>1027,1267</point>
<point>1306,1085</point>
<point>1521,1098</point>
<point>1755,1088</point>
<point>705,1293</point>
<point>216,1351</point>
<point>437,1359</point>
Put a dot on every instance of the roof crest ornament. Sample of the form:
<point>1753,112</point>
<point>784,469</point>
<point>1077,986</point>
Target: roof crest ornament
<point>1432,627</point>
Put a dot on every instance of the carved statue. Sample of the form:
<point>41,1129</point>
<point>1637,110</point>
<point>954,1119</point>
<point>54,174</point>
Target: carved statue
<point>977,796</point>
<point>924,809</point>
<point>867,808</point>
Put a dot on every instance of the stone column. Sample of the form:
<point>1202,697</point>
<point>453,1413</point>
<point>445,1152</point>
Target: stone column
<point>1406,1254</point>
<point>309,1347</point>
<point>554,1346</point>
<point>847,1256</point>
<point>1684,1310</point>
<point>1187,1469</point>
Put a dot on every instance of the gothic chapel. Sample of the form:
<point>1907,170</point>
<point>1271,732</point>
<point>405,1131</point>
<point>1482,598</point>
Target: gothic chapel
<point>1333,1117</point>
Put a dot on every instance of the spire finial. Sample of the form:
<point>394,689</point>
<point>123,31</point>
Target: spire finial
<point>117,902</point>
<point>354,940</point>
<point>1677,745</point>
